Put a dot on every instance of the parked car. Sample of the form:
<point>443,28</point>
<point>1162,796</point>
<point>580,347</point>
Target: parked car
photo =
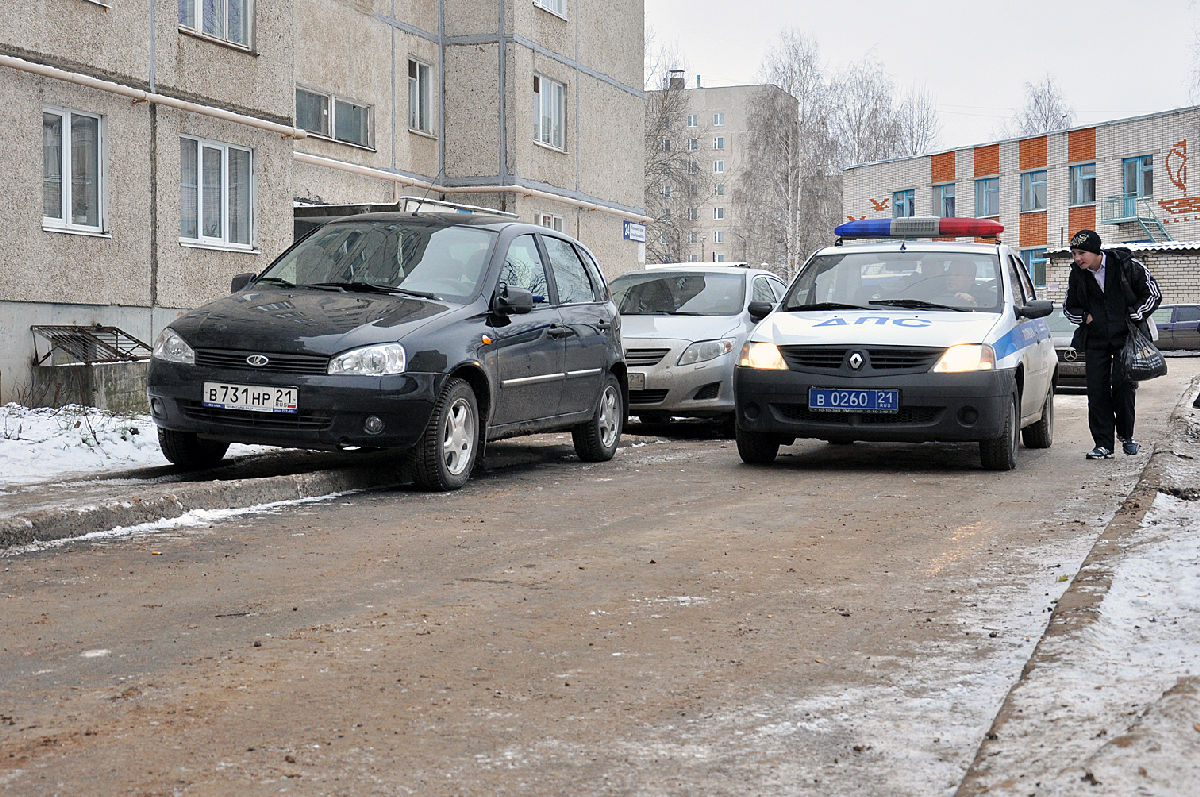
<point>682,326</point>
<point>1070,360</point>
<point>949,345</point>
<point>430,333</point>
<point>1178,326</point>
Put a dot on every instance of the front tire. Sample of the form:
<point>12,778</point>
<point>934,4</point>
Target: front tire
<point>445,455</point>
<point>188,451</point>
<point>596,440</point>
<point>1041,433</point>
<point>1000,453</point>
<point>756,448</point>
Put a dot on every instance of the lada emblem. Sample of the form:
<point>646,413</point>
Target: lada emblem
<point>257,360</point>
<point>856,360</point>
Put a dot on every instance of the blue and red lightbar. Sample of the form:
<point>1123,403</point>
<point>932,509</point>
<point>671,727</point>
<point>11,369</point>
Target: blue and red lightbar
<point>919,227</point>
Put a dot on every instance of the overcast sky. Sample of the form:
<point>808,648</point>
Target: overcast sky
<point>1111,58</point>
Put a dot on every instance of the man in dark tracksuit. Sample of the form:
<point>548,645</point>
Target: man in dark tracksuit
<point>1107,288</point>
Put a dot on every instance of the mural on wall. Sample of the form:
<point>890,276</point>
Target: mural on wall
<point>1186,208</point>
<point>878,206</point>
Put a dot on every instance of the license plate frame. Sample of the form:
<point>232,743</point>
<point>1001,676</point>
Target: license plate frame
<point>637,380</point>
<point>250,398</point>
<point>837,399</point>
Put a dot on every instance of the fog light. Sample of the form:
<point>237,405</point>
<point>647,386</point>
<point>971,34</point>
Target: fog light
<point>751,411</point>
<point>372,425</point>
<point>157,409</point>
<point>968,416</point>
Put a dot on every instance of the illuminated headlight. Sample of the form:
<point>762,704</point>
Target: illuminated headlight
<point>762,355</point>
<point>172,348</point>
<point>705,350</point>
<point>966,357</point>
<point>387,358</point>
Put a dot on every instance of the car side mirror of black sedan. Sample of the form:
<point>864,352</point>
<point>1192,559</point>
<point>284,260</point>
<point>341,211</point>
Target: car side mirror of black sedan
<point>511,301</point>
<point>240,281</point>
<point>1038,308</point>
<point>759,310</point>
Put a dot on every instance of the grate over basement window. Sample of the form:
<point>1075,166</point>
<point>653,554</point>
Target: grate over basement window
<point>80,344</point>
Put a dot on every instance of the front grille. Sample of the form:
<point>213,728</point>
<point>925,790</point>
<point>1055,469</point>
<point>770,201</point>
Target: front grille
<point>244,419</point>
<point>906,415</point>
<point>647,396</point>
<point>709,391</point>
<point>892,359</point>
<point>644,357</point>
<point>276,363</point>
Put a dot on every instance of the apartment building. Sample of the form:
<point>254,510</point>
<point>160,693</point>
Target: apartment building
<point>177,136</point>
<point>1127,179</point>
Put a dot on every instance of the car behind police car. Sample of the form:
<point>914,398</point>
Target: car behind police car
<point>902,341</point>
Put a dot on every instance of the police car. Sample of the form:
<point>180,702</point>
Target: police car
<point>905,341</point>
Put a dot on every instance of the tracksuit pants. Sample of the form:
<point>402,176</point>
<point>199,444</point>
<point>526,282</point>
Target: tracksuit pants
<point>1110,396</point>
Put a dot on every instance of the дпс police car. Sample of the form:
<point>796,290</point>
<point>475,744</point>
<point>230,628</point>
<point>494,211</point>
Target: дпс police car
<point>904,341</point>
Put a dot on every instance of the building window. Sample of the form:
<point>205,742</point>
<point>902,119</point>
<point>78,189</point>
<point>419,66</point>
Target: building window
<point>550,220</point>
<point>718,119</point>
<point>693,258</point>
<point>350,122</point>
<point>693,237</point>
<point>1138,176</point>
<point>719,142</point>
<point>902,203</point>
<point>216,187</point>
<point>943,200</point>
<point>718,214</point>
<point>720,189</point>
<point>1083,184</point>
<point>420,96</point>
<point>1035,261</point>
<point>229,20</point>
<point>666,145</point>
<point>987,197</point>
<point>72,170</point>
<point>718,167</point>
<point>693,214</point>
<point>550,105</point>
<point>693,167</point>
<point>718,236</point>
<point>693,144</point>
<point>553,6</point>
<point>1033,191</point>
<point>693,120</point>
<point>666,191</point>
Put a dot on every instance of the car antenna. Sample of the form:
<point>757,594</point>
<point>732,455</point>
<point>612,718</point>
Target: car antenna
<point>417,209</point>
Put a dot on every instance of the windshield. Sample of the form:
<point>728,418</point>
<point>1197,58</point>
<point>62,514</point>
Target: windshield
<point>679,293</point>
<point>405,257</point>
<point>912,279</point>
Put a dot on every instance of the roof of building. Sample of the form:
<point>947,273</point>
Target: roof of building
<point>1159,246</point>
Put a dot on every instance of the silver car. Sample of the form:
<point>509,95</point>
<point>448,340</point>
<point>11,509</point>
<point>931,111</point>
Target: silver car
<point>682,326</point>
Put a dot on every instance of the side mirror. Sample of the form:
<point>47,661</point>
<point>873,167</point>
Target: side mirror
<point>240,281</point>
<point>759,310</point>
<point>511,301</point>
<point>1039,308</point>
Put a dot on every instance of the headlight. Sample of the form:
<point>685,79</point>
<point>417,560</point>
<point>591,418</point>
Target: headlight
<point>705,350</point>
<point>387,358</point>
<point>966,357</point>
<point>173,349</point>
<point>762,355</point>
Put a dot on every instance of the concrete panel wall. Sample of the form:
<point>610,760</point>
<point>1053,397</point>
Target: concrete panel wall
<point>473,111</point>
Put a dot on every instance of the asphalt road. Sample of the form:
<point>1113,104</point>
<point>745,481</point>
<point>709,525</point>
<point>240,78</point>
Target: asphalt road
<point>846,621</point>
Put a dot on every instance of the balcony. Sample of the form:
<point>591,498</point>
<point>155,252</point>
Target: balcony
<point>1137,210</point>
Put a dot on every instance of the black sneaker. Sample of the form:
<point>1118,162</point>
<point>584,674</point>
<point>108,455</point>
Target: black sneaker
<point>1099,452</point>
<point>1130,446</point>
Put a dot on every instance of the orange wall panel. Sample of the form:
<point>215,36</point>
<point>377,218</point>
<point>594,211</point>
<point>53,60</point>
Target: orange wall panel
<point>1033,230</point>
<point>1081,218</point>
<point>1033,152</point>
<point>987,160</point>
<point>941,168</point>
<point>1081,145</point>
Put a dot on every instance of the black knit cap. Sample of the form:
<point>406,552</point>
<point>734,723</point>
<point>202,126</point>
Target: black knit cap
<point>1087,240</point>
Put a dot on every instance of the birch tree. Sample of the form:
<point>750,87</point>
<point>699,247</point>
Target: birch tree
<point>1044,111</point>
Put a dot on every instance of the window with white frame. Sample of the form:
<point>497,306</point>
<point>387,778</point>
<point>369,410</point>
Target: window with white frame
<point>718,214</point>
<point>420,96</point>
<point>718,119</point>
<point>693,167</point>
<point>719,142</point>
<point>666,145</point>
<point>229,20</point>
<point>550,105</point>
<point>552,221</point>
<point>331,116</point>
<point>693,120</point>
<point>693,258</point>
<point>666,191</point>
<point>72,170</point>
<point>693,214</point>
<point>216,188</point>
<point>718,257</point>
<point>693,144</point>
<point>718,167</point>
<point>720,189</point>
<point>718,236</point>
<point>693,237</point>
<point>554,6</point>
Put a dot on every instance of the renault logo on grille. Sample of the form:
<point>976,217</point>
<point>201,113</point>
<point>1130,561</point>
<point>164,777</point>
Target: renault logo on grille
<point>856,360</point>
<point>257,360</point>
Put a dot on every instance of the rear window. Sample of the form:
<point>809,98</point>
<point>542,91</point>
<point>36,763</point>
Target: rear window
<point>679,293</point>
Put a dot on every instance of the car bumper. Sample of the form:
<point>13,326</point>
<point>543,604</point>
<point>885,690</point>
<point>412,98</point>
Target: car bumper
<point>331,410</point>
<point>933,407</point>
<point>699,390</point>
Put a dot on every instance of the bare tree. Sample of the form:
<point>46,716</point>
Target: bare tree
<point>863,115</point>
<point>1045,110</point>
<point>919,123</point>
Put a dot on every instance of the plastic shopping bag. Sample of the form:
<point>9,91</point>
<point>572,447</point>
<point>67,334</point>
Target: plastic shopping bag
<point>1140,358</point>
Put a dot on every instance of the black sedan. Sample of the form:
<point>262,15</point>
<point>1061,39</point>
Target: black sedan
<point>1070,360</point>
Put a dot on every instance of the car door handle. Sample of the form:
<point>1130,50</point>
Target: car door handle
<point>559,331</point>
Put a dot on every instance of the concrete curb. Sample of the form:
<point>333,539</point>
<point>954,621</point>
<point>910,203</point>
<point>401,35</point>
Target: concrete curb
<point>1173,468</point>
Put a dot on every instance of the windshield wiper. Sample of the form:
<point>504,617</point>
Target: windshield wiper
<point>828,306</point>
<point>275,281</point>
<point>372,287</point>
<point>919,304</point>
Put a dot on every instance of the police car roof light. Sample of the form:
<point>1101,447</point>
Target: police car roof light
<point>919,227</point>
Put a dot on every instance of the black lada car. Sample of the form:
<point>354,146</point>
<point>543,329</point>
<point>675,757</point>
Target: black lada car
<point>430,333</point>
